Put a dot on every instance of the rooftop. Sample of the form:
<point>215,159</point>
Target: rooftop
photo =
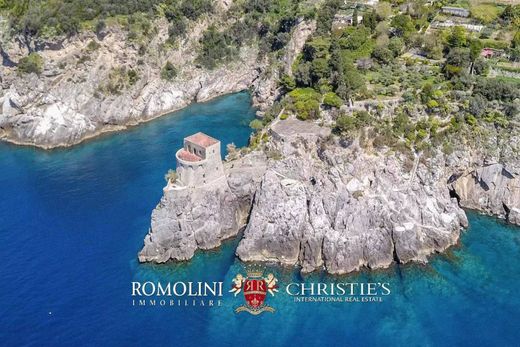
<point>187,156</point>
<point>201,139</point>
<point>294,127</point>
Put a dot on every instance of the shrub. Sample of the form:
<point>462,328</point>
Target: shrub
<point>170,176</point>
<point>345,123</point>
<point>33,63</point>
<point>133,77</point>
<point>256,124</point>
<point>168,72</point>
<point>93,45</point>
<point>119,78</point>
<point>288,82</point>
<point>305,102</point>
<point>331,99</point>
<point>100,26</point>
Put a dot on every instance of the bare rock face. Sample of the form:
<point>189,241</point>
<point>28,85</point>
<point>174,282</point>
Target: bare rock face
<point>493,189</point>
<point>188,219</point>
<point>314,203</point>
<point>324,206</point>
<point>86,86</point>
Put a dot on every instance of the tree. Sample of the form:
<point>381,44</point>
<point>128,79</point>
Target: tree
<point>354,37</point>
<point>215,48</point>
<point>433,46</point>
<point>383,10</point>
<point>288,82</point>
<point>383,55</point>
<point>457,37</point>
<point>302,74</point>
<point>352,82</point>
<point>396,45</point>
<point>481,67</point>
<point>458,57</point>
<point>402,25</point>
<point>319,69</point>
<point>370,20</point>
<point>355,15</point>
<point>475,47</point>
<point>326,16</point>
<point>477,105</point>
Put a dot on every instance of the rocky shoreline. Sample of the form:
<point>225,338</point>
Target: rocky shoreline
<point>308,199</point>
<point>69,102</point>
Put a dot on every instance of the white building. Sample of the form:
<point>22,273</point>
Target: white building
<point>199,161</point>
<point>342,20</point>
<point>456,11</point>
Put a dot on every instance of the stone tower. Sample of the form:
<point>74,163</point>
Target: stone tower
<point>199,161</point>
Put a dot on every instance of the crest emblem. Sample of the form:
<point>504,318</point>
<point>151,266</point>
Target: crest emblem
<point>255,288</point>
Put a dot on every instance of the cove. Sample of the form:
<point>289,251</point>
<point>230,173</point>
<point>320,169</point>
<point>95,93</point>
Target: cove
<point>73,220</point>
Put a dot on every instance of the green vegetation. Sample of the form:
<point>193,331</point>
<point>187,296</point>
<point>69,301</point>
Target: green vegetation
<point>256,124</point>
<point>216,48</point>
<point>170,176</point>
<point>444,73</point>
<point>486,13</point>
<point>331,99</point>
<point>305,102</point>
<point>33,63</point>
<point>120,78</point>
<point>168,72</point>
<point>58,17</point>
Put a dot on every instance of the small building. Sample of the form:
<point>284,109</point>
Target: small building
<point>456,11</point>
<point>451,24</point>
<point>199,161</point>
<point>343,20</point>
<point>491,53</point>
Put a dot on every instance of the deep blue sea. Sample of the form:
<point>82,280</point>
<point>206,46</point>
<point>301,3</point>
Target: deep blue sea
<point>73,220</point>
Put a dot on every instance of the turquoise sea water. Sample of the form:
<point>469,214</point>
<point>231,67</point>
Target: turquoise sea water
<point>73,220</point>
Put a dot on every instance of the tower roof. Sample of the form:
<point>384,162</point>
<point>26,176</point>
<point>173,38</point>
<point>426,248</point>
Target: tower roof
<point>201,139</point>
<point>187,156</point>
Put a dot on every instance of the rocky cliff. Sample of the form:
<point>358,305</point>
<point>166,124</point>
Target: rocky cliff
<point>96,83</point>
<point>318,202</point>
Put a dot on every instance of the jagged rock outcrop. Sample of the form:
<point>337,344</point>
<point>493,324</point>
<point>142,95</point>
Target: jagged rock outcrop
<point>324,205</point>
<point>187,219</point>
<point>317,203</point>
<point>493,189</point>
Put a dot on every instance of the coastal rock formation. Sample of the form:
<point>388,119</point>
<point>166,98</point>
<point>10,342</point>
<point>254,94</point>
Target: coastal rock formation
<point>313,201</point>
<point>96,83</point>
<point>339,208</point>
<point>493,189</point>
<point>187,219</point>
<point>74,100</point>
